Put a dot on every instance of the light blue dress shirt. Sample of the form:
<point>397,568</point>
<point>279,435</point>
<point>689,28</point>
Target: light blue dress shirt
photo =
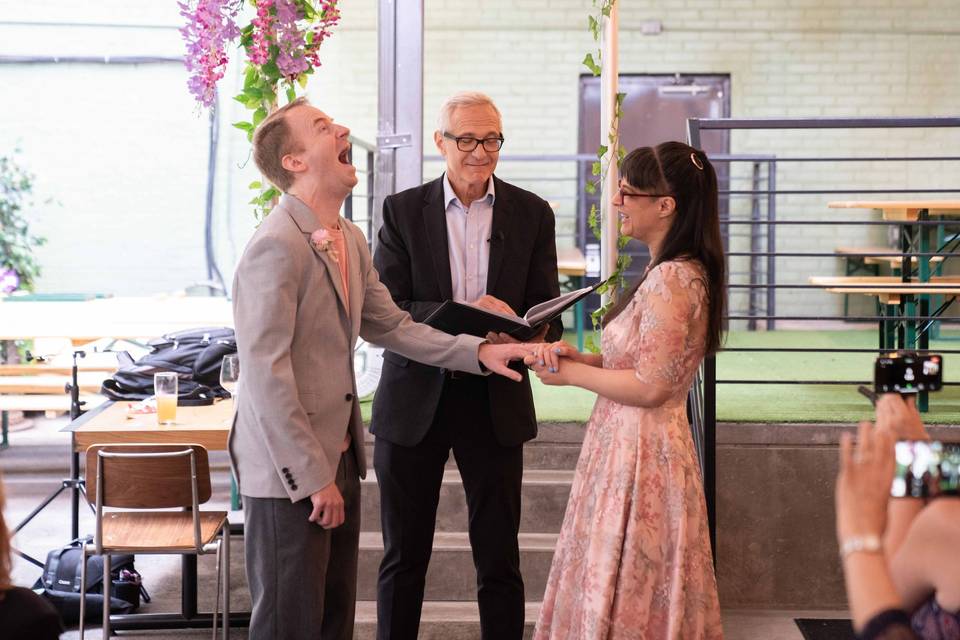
<point>468,238</point>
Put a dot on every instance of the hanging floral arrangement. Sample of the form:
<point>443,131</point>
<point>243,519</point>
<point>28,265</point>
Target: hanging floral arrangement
<point>282,48</point>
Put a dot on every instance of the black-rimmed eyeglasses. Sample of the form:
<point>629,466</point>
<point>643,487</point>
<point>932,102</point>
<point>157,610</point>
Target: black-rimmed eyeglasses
<point>469,143</point>
<point>622,194</point>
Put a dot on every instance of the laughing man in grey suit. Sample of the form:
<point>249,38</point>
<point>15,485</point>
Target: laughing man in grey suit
<point>304,290</point>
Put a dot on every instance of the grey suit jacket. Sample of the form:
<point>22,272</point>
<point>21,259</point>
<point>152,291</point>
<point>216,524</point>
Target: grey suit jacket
<point>297,395</point>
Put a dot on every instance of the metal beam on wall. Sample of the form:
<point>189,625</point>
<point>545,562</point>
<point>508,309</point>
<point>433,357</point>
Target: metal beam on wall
<point>400,102</point>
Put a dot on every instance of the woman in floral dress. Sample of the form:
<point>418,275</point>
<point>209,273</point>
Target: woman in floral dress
<point>633,559</point>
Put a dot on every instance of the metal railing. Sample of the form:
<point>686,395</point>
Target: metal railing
<point>358,208</point>
<point>560,180</point>
<point>705,424</point>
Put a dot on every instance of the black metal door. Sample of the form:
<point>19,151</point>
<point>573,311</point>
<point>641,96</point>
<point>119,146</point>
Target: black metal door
<point>655,110</point>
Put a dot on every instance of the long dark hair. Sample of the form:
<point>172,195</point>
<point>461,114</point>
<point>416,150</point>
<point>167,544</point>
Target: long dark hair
<point>686,173</point>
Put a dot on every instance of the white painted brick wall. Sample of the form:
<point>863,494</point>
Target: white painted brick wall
<point>797,58</point>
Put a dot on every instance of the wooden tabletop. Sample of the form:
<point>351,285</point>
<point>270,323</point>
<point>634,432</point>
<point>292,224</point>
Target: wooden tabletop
<point>111,317</point>
<point>867,254</point>
<point>208,426</point>
<point>570,262</point>
<point>902,209</point>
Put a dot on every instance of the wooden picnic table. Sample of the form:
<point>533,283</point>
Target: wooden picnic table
<point>915,239</point>
<point>119,318</point>
<point>921,240</point>
<point>896,307</point>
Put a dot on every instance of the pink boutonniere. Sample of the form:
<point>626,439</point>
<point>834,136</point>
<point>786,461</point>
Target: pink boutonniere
<point>322,240</point>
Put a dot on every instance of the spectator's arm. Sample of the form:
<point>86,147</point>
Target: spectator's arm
<point>861,502</point>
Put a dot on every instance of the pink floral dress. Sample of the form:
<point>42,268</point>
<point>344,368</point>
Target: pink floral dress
<point>633,559</point>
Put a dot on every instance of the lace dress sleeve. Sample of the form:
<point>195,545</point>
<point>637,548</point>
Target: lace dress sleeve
<point>672,305</point>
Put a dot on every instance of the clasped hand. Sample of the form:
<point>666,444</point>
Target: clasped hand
<point>551,361</point>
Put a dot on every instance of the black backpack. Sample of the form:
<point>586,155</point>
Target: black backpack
<point>60,584</point>
<point>195,355</point>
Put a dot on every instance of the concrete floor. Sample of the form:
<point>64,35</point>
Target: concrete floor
<point>33,467</point>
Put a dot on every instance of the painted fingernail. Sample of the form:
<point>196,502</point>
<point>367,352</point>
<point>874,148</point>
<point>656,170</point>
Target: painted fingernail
<point>552,370</point>
<point>542,363</point>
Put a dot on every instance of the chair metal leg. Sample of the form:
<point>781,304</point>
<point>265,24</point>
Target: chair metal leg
<point>226,580</point>
<point>107,583</point>
<point>83,587</point>
<point>216,595</point>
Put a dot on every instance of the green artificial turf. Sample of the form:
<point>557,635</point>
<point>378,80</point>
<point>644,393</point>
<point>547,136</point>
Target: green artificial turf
<point>779,402</point>
<point>814,403</point>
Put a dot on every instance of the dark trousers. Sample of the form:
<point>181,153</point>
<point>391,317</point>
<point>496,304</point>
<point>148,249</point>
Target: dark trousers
<point>410,478</point>
<point>303,578</point>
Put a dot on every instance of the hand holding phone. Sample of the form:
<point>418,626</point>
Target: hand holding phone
<point>898,414</point>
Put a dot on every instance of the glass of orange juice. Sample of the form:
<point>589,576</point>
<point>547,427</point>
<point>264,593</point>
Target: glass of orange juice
<point>165,387</point>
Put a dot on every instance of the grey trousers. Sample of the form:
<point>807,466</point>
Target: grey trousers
<point>303,578</point>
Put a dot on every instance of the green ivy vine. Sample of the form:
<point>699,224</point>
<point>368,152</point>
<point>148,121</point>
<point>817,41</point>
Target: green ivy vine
<point>600,168</point>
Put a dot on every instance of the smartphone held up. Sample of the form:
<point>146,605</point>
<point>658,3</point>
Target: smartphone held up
<point>907,373</point>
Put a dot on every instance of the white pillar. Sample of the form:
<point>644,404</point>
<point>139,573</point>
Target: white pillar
<point>608,107</point>
<point>400,102</point>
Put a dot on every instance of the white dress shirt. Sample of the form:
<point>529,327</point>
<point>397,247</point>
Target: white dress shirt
<point>468,237</point>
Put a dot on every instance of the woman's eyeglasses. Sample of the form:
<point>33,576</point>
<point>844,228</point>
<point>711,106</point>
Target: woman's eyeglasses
<point>623,194</point>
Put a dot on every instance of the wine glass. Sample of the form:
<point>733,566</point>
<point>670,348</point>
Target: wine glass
<point>230,374</point>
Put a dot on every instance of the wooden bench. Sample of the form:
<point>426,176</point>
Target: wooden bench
<point>865,260</point>
<point>887,289</point>
<point>51,405</point>
<point>38,387</point>
<point>879,256</point>
<point>52,369</point>
<point>48,404</point>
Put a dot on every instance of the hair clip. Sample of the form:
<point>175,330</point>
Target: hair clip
<point>696,161</point>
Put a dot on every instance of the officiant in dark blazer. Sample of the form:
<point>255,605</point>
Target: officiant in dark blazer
<point>470,237</point>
